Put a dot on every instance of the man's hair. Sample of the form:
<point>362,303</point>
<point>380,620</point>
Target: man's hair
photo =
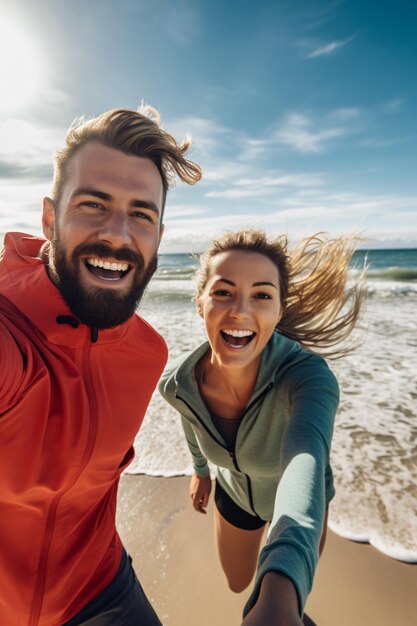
<point>320,308</point>
<point>136,133</point>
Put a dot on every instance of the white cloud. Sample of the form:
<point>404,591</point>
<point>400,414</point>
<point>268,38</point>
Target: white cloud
<point>182,210</point>
<point>252,149</point>
<point>297,132</point>
<point>346,114</point>
<point>208,136</point>
<point>235,193</point>
<point>394,105</point>
<point>300,212</point>
<point>328,48</point>
<point>266,186</point>
<point>26,144</point>
<point>21,205</point>
<point>238,190</point>
<point>284,180</point>
<point>308,212</point>
<point>223,171</point>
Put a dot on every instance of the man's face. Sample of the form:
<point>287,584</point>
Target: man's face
<point>105,233</point>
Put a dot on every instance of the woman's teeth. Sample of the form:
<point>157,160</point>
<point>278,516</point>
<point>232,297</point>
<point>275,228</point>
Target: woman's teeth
<point>237,338</point>
<point>239,333</point>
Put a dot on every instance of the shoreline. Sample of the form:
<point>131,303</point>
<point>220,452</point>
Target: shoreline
<point>175,558</point>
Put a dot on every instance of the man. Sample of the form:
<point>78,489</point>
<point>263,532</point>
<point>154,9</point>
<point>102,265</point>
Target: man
<point>77,370</point>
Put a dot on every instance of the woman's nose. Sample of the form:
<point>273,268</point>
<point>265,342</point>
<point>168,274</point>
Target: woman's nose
<point>240,308</point>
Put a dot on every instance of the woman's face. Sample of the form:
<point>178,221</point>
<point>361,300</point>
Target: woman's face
<point>241,306</point>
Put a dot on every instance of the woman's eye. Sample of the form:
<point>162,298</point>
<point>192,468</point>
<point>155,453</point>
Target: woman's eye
<point>221,292</point>
<point>263,296</point>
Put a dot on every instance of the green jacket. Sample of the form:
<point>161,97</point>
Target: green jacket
<point>280,467</point>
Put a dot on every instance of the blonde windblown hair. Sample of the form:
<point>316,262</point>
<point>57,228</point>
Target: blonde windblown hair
<point>320,307</point>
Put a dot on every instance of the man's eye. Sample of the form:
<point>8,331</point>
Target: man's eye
<point>93,205</point>
<point>141,215</point>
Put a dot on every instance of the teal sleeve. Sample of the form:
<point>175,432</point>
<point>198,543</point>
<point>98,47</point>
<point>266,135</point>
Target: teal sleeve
<point>296,528</point>
<point>199,461</point>
<point>166,388</point>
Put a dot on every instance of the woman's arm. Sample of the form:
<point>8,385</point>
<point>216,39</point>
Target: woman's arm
<point>296,528</point>
<point>200,484</point>
<point>200,463</point>
<point>200,489</point>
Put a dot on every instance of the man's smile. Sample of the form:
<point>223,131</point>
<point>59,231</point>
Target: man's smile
<point>106,269</point>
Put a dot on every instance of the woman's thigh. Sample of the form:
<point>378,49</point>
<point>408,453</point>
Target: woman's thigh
<point>238,551</point>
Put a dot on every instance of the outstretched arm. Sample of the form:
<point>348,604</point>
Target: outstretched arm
<point>296,528</point>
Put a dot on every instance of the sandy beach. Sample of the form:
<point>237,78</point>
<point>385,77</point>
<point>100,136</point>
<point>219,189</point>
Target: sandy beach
<point>175,558</point>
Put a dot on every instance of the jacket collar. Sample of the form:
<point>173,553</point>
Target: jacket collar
<point>25,282</point>
<point>276,353</point>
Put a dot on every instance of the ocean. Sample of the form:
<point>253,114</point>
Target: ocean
<point>374,452</point>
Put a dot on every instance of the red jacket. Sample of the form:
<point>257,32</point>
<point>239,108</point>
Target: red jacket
<point>69,411</point>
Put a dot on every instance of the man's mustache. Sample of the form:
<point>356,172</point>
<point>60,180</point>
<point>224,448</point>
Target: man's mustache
<point>102,250</point>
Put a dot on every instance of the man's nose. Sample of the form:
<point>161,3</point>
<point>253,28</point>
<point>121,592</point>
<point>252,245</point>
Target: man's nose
<point>115,230</point>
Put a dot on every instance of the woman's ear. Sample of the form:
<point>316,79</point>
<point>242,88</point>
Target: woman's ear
<point>199,307</point>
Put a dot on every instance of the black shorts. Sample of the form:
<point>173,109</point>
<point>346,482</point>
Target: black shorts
<point>122,603</point>
<point>233,513</point>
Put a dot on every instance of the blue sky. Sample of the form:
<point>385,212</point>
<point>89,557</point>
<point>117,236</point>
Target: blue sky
<point>303,113</point>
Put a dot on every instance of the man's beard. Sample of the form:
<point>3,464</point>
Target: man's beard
<point>93,306</point>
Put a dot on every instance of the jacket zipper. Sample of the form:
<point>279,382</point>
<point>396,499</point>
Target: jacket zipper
<point>232,453</point>
<point>50,521</point>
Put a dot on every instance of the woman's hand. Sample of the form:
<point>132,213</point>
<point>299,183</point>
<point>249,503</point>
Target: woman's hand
<point>277,604</point>
<point>200,488</point>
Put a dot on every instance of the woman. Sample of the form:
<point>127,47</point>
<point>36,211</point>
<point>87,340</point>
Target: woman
<point>257,402</point>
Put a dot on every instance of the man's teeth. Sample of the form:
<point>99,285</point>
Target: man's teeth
<point>239,333</point>
<point>115,267</point>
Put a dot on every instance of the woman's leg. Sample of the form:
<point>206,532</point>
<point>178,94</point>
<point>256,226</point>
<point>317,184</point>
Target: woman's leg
<point>238,551</point>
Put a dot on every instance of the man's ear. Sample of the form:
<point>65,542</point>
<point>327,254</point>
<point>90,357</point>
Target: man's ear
<point>48,218</point>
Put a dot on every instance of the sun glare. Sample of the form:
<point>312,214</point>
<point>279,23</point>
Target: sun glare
<point>20,66</point>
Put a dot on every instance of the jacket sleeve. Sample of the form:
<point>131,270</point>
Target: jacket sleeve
<point>167,388</point>
<point>11,368</point>
<point>295,531</point>
<point>200,463</point>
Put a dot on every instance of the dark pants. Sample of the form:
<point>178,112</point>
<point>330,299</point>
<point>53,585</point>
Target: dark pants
<point>122,603</point>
